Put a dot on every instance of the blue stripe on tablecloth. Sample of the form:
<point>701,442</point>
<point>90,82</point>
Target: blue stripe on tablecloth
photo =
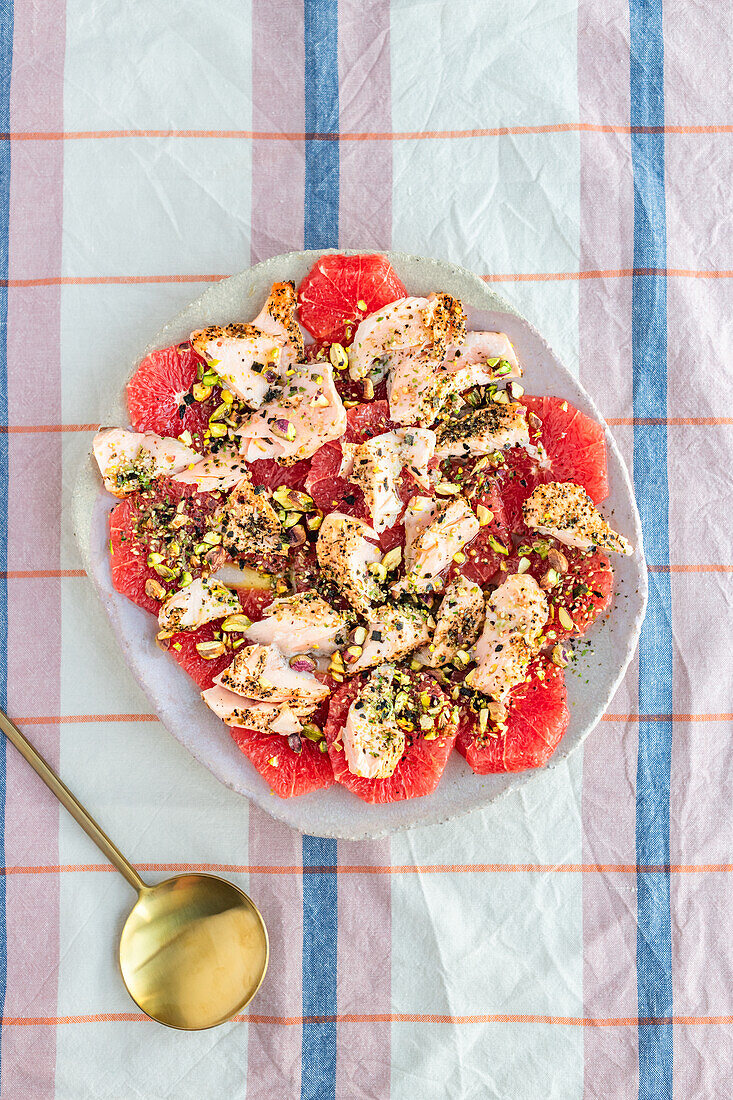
<point>322,118</point>
<point>320,931</point>
<point>649,341</point>
<point>321,222</point>
<point>6,65</point>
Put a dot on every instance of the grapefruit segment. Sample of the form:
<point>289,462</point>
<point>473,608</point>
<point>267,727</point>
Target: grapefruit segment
<point>340,291</point>
<point>575,444</point>
<point>483,555</point>
<point>537,720</point>
<point>331,492</point>
<point>288,773</point>
<point>160,398</point>
<point>182,648</point>
<point>132,539</point>
<point>347,389</point>
<point>268,472</point>
<point>584,591</point>
<point>132,526</point>
<point>419,770</point>
<point>517,479</point>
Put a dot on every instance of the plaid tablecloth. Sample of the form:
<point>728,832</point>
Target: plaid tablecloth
<point>574,940</point>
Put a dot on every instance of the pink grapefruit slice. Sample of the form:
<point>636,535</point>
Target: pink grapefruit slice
<point>340,291</point>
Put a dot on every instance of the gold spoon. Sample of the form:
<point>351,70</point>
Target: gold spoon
<point>194,949</point>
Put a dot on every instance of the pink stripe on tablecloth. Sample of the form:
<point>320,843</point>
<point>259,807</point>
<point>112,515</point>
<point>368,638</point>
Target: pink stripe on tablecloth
<point>278,188</point>
<point>702,947</point>
<point>31,814</point>
<point>365,201</point>
<point>274,1053</point>
<point>34,505</point>
<point>606,205</point>
<point>604,336</point>
<point>365,221</point>
<point>35,212</point>
<point>364,972</point>
<point>609,905</point>
<point>278,94</point>
<point>612,1063</point>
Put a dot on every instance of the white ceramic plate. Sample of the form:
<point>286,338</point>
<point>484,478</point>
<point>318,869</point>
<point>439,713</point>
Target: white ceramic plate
<point>336,812</point>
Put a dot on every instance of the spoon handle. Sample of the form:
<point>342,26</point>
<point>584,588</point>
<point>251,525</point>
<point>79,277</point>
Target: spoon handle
<point>42,768</point>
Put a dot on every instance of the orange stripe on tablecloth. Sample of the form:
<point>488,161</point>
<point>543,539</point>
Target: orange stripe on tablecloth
<point>387,1017</point>
<point>501,277</point>
<point>105,280</point>
<point>37,429</point>
<point>667,717</point>
<point>366,135</point>
<point>383,869</point>
<point>605,273</point>
<point>690,568</point>
<point>70,719</point>
<point>32,574</point>
<point>671,421</point>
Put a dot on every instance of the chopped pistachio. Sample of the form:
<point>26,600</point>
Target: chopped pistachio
<point>154,589</point>
<point>392,558</point>
<point>565,619</point>
<point>237,623</point>
<point>496,546</point>
<point>312,732</point>
<point>557,560</point>
<point>210,650</point>
<point>164,572</point>
<point>338,356</point>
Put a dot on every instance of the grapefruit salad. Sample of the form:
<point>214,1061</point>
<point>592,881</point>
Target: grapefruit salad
<point>360,537</point>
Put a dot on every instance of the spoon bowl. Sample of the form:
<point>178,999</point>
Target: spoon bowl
<point>193,951</point>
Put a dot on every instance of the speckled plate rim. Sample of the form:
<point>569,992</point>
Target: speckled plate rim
<point>336,812</point>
